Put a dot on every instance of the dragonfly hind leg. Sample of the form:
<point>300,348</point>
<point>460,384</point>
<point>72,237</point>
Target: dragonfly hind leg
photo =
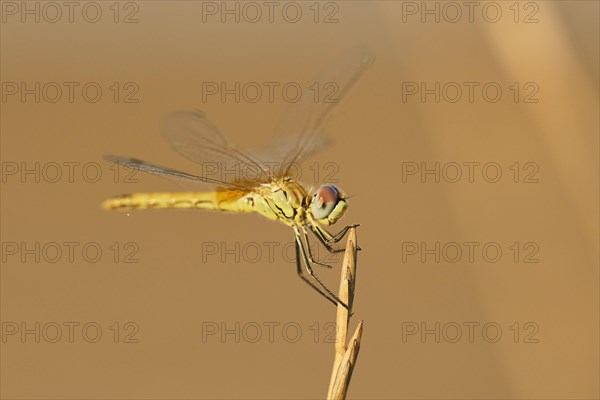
<point>301,255</point>
<point>309,251</point>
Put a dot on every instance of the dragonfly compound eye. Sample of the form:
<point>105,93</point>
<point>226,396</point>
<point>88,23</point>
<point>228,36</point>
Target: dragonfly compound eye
<point>324,201</point>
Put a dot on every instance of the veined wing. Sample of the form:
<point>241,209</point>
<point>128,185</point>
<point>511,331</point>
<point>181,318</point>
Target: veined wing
<point>274,154</point>
<point>303,121</point>
<point>193,136</point>
<point>169,173</point>
<point>299,135</point>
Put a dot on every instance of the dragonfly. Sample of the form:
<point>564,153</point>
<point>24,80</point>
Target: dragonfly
<point>269,189</point>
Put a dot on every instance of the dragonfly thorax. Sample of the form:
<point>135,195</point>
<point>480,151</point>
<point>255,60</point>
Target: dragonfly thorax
<point>284,200</point>
<point>289,202</point>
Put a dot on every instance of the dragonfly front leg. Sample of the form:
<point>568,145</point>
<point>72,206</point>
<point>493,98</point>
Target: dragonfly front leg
<point>301,255</point>
<point>327,238</point>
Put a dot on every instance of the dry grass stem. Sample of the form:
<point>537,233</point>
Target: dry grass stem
<point>345,355</point>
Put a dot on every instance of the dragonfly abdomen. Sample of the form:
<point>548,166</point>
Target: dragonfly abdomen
<point>199,200</point>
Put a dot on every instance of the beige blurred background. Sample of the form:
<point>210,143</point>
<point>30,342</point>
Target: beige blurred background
<point>156,315</point>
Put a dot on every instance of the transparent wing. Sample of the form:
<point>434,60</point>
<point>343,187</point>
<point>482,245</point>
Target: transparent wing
<point>299,134</point>
<point>172,174</point>
<point>193,136</point>
<point>303,121</point>
<point>274,154</point>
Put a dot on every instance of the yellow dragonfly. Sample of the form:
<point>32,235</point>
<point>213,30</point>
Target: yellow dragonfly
<point>268,189</point>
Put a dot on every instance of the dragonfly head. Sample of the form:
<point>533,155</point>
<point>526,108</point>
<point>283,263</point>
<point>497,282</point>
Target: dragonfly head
<point>328,204</point>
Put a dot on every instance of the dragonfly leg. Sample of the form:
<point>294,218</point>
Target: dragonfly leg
<point>327,238</point>
<point>309,251</point>
<point>301,255</point>
<point>338,236</point>
<point>305,279</point>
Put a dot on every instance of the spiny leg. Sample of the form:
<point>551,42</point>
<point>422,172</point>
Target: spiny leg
<point>310,256</point>
<point>300,249</point>
<point>305,279</point>
<point>330,296</point>
<point>338,236</point>
<point>327,238</point>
